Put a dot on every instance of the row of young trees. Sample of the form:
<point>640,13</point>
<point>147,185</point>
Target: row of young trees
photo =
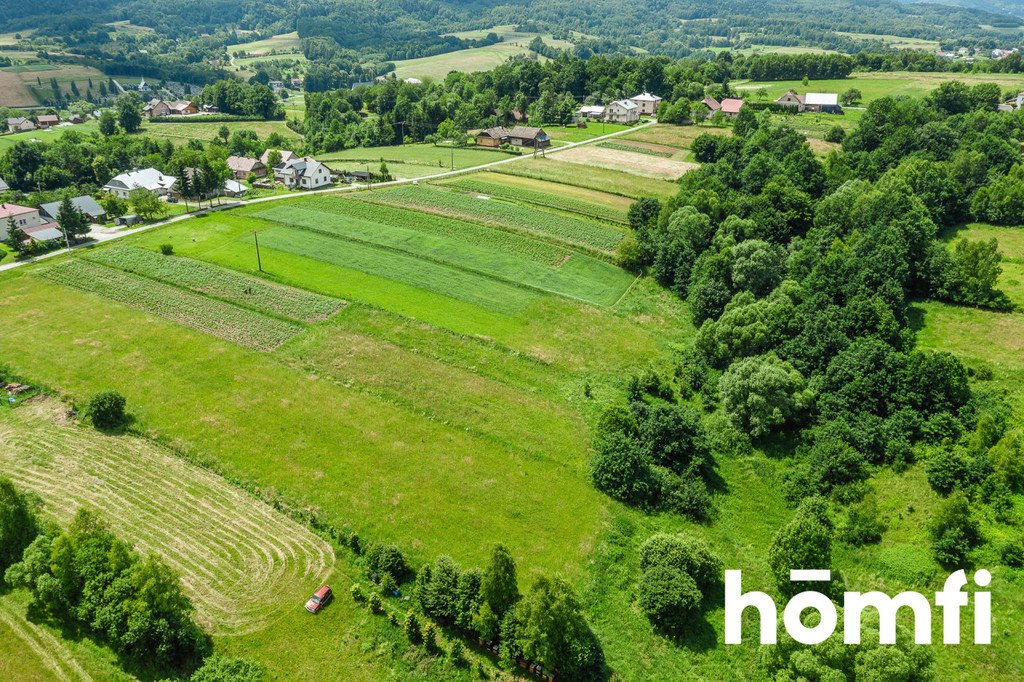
<point>546,625</point>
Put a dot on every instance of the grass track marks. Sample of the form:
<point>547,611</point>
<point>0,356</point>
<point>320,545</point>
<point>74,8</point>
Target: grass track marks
<point>227,285</point>
<point>52,654</point>
<point>240,560</point>
<point>577,276</point>
<point>535,222</point>
<point>599,205</point>
<point>223,320</point>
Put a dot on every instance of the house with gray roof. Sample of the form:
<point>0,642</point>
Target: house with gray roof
<point>85,204</point>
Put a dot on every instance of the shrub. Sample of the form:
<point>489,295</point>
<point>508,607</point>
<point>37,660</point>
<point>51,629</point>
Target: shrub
<point>357,593</point>
<point>669,598</point>
<point>167,249</point>
<point>375,603</point>
<point>863,523</point>
<point>430,639</point>
<point>835,134</point>
<point>412,628</point>
<point>682,553</point>
<point>18,525</point>
<point>955,531</point>
<point>1012,553</point>
<point>457,653</point>
<point>388,586</point>
<point>106,410</point>
<point>386,559</point>
<point>803,543</point>
<point>218,668</point>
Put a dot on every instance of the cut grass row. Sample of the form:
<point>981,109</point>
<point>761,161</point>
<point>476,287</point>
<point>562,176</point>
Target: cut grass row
<point>589,203</point>
<point>241,557</point>
<point>576,276</point>
<point>226,285</point>
<point>595,178</point>
<point>230,322</point>
<point>571,230</point>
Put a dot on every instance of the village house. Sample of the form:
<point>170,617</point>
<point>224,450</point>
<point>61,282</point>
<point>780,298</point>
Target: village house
<point>791,100</point>
<point>278,170</point>
<point>48,232</point>
<point>647,104</point>
<point>85,204</point>
<point>24,217</point>
<point>304,173</point>
<point>242,166</point>
<point>156,107</point>
<point>296,82</point>
<point>183,108</point>
<point>48,121</point>
<point>234,189</point>
<point>526,136</point>
<point>492,137</point>
<point>147,178</point>
<point>20,124</point>
<point>276,86</point>
<point>622,111</point>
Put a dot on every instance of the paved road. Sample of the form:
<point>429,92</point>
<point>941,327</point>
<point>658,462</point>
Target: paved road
<point>104,235</point>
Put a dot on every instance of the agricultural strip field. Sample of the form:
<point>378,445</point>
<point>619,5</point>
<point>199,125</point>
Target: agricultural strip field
<point>574,134</point>
<point>669,135</point>
<point>629,162</point>
<point>530,220</point>
<point>229,322</point>
<point>596,178</point>
<point>453,245</point>
<point>419,246</point>
<point>589,203</point>
<point>221,283</point>
<point>243,563</point>
<point>411,160</point>
<point>469,60</point>
<point>180,132</point>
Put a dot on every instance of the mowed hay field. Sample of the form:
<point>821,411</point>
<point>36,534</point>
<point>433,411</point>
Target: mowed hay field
<point>407,161</point>
<point>243,561</point>
<point>180,132</point>
<point>554,169</point>
<point>20,84</point>
<point>618,158</point>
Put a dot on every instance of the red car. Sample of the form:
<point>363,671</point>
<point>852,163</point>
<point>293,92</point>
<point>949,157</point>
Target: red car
<point>319,598</point>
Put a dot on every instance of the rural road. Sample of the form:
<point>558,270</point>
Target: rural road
<point>100,237</point>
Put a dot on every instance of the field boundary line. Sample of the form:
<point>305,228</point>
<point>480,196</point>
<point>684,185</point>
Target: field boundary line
<point>518,200</point>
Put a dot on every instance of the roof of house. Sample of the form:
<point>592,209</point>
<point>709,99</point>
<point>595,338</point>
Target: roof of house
<point>234,187</point>
<point>526,132</point>
<point>732,106</point>
<point>11,210</point>
<point>49,119</point>
<point>148,178</point>
<point>12,122</point>
<point>646,97</point>
<point>497,132</point>
<point>591,109</point>
<point>285,156</point>
<point>85,204</point>
<point>626,104</point>
<point>3,185</point>
<point>822,98</point>
<point>243,164</point>
<point>711,103</point>
<point>792,93</point>
<point>44,233</point>
<point>179,105</point>
<point>304,166</point>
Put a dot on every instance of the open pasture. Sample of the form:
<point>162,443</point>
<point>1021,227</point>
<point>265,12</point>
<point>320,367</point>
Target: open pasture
<point>283,43</point>
<point>180,132</point>
<point>452,245</point>
<point>553,169</point>
<point>631,162</point>
<point>593,129</point>
<point>48,135</point>
<point>584,202</point>
<point>223,320</point>
<point>243,563</point>
<point>576,232</point>
<point>221,283</point>
<point>476,58</point>
<point>670,135</point>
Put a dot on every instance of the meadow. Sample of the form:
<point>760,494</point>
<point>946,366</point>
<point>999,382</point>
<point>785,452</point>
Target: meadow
<point>49,135</point>
<point>629,161</point>
<point>180,132</point>
<point>595,178</point>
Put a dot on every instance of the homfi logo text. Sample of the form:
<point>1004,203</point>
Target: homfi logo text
<point>951,599</point>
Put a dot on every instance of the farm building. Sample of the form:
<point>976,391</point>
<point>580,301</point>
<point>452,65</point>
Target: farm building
<point>156,107</point>
<point>731,107</point>
<point>712,104</point>
<point>286,156</point>
<point>127,220</point>
<point>595,111</point>
<point>48,121</point>
<point>492,137</point>
<point>305,173</point>
<point>622,111</point>
<point>242,166</point>
<point>234,189</point>
<point>24,217</point>
<point>646,103</point>
<point>47,232</point>
<point>824,102</point>
<point>85,204</point>
<point>791,100</point>
<point>526,136</point>
<point>147,178</point>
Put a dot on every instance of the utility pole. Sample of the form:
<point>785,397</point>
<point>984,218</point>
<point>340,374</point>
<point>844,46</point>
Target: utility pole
<point>259,262</point>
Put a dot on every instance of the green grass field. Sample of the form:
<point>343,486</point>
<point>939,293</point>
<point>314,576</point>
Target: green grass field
<point>600,179</point>
<point>49,135</point>
<point>183,131</point>
<point>411,160</point>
